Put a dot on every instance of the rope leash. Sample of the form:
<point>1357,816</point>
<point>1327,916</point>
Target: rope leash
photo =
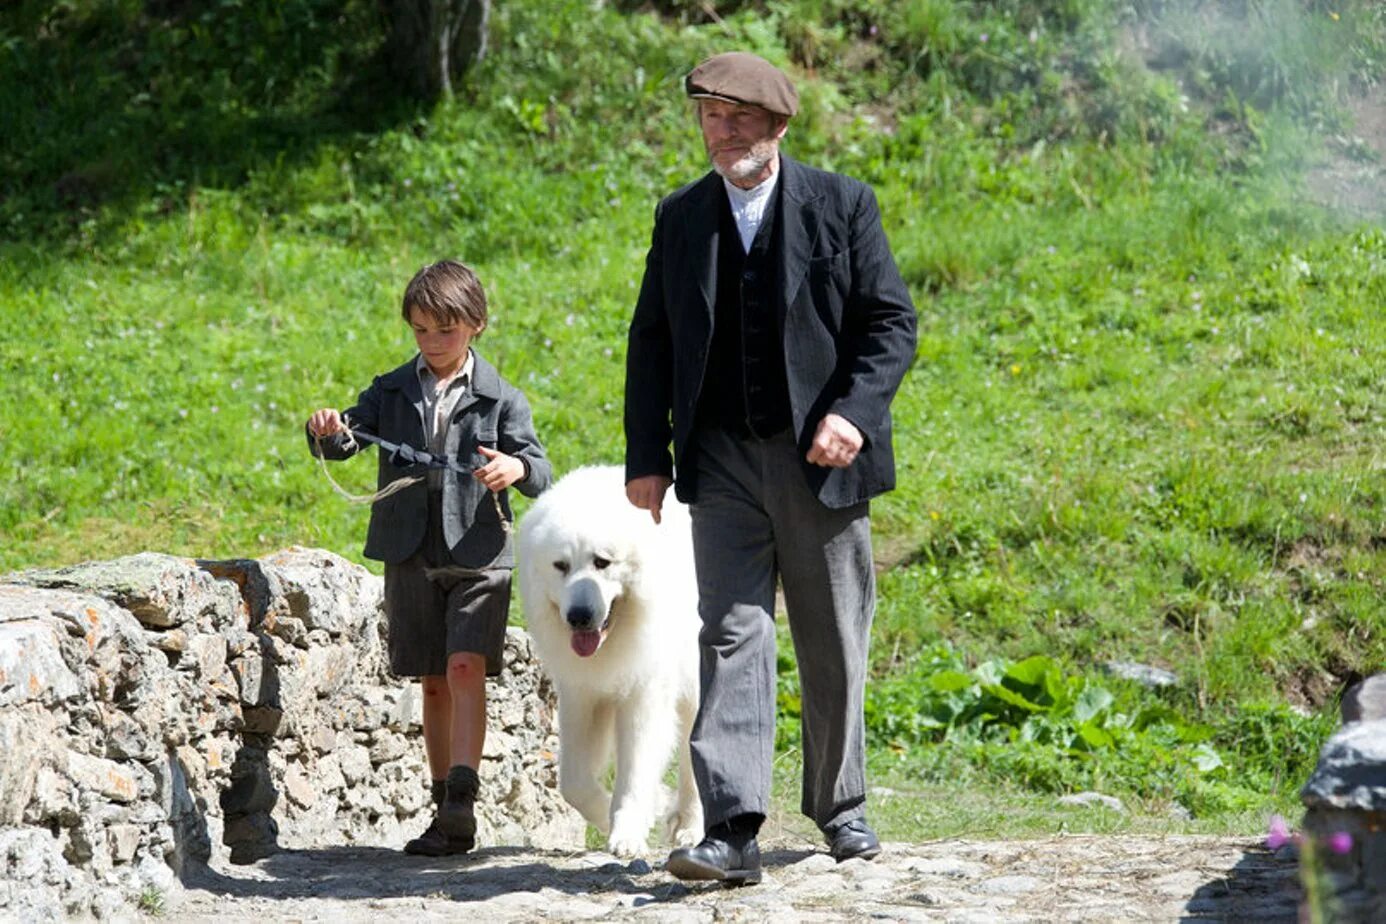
<point>401,454</point>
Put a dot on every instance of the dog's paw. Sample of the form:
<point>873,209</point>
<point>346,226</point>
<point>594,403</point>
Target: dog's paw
<point>688,837</point>
<point>626,843</point>
<point>684,829</point>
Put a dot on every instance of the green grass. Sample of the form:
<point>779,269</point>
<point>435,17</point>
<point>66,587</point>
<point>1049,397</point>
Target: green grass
<point>1144,423</point>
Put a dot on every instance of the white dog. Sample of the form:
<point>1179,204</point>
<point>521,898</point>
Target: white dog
<point>611,601</point>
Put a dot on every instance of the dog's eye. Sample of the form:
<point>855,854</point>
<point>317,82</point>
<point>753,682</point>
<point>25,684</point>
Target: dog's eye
<point>562,567</point>
<point>599,563</point>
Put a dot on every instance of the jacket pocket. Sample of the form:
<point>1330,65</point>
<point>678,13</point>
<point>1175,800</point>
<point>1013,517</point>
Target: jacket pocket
<point>833,267</point>
<point>829,280</point>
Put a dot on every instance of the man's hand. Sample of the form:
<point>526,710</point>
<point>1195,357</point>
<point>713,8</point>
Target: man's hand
<point>836,442</point>
<point>325,422</point>
<point>501,471</point>
<point>647,492</point>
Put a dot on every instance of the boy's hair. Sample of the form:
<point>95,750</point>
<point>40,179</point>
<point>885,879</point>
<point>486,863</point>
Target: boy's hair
<point>447,291</point>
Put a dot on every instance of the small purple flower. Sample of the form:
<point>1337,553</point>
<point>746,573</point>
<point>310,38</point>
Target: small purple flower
<point>984,38</point>
<point>1279,834</point>
<point>1340,842</point>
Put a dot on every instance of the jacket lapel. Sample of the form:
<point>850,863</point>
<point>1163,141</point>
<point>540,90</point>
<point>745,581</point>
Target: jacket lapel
<point>702,231</point>
<point>485,384</point>
<point>799,231</point>
<point>406,379</point>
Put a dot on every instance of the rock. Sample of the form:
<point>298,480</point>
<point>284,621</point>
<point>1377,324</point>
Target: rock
<point>26,741</point>
<point>252,787</point>
<point>123,840</point>
<point>1345,801</point>
<point>1365,701</point>
<point>1143,674</point>
<point>257,678</point>
<point>1089,799</point>
<point>161,591</point>
<point>1351,773</point>
<point>113,780</point>
<point>32,668</point>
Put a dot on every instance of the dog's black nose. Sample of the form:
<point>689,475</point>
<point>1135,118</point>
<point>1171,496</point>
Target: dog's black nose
<point>581,617</point>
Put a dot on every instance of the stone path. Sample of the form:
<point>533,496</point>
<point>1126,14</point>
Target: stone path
<point>1070,878</point>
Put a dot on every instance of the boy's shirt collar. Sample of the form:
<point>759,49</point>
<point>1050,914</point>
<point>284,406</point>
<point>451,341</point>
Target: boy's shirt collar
<point>428,379</point>
<point>485,380</point>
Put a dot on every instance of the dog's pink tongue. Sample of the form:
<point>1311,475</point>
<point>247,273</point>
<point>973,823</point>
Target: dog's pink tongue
<point>586,643</point>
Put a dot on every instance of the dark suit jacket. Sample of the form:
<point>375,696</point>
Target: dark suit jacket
<point>493,413</point>
<point>846,317</point>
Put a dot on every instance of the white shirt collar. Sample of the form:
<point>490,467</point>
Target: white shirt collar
<point>760,193</point>
<point>748,206</point>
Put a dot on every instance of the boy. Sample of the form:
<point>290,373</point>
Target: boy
<point>444,539</point>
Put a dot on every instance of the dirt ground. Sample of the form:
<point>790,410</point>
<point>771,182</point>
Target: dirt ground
<point>1352,176</point>
<point>1069,878</point>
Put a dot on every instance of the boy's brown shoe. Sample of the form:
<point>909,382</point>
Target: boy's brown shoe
<point>434,843</point>
<point>457,814</point>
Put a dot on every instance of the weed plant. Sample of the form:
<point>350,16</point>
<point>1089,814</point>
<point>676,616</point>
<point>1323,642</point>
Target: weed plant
<point>1144,422</point>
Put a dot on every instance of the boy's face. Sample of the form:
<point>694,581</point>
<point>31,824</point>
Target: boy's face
<point>443,344</point>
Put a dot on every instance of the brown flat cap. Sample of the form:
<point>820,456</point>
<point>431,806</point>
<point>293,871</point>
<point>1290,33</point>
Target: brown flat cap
<point>741,77</point>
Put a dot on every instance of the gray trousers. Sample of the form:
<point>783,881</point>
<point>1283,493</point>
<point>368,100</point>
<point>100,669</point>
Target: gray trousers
<point>754,520</point>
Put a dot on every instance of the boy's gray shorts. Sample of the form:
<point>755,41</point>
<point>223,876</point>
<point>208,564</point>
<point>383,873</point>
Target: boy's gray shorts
<point>435,611</point>
<point>430,618</point>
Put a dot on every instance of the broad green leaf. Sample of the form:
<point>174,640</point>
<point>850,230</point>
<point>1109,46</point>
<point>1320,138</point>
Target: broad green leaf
<point>950,681</point>
<point>1092,701</point>
<point>1205,758</point>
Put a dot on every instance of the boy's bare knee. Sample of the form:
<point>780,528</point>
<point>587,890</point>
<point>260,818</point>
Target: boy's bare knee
<point>434,685</point>
<point>466,668</point>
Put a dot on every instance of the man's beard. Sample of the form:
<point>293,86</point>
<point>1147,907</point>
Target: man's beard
<point>752,165</point>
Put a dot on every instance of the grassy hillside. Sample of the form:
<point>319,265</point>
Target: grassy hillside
<point>1145,422</point>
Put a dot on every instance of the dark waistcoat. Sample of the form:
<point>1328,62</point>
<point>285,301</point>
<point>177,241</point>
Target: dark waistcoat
<point>745,390</point>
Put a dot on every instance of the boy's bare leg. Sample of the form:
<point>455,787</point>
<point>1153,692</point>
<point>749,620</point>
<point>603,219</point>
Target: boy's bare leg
<point>437,725</point>
<point>437,729</point>
<point>467,685</point>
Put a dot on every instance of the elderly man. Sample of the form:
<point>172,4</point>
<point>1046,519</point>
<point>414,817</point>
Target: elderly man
<point>770,335</point>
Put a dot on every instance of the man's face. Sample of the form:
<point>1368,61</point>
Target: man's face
<point>742,141</point>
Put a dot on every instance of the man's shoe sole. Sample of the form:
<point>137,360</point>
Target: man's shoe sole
<point>868,853</point>
<point>690,870</point>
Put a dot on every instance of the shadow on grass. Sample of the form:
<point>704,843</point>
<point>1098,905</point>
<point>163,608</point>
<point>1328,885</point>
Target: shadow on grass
<point>129,105</point>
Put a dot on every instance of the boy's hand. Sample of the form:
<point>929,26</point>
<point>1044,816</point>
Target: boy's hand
<point>501,471</point>
<point>326,422</point>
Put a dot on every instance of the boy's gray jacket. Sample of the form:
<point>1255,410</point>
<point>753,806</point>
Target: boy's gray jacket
<point>493,413</point>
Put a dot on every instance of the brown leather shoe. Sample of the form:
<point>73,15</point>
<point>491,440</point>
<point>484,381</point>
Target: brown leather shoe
<point>434,843</point>
<point>457,813</point>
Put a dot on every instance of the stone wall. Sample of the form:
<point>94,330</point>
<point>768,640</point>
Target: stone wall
<point>1346,795</point>
<point>157,712</point>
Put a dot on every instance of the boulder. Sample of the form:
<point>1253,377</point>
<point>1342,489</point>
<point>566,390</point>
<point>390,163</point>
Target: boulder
<point>1344,829</point>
